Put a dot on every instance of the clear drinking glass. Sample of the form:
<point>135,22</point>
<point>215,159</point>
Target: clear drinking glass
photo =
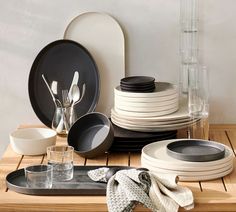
<point>61,159</point>
<point>198,103</point>
<point>39,176</point>
<point>63,119</point>
<point>198,92</point>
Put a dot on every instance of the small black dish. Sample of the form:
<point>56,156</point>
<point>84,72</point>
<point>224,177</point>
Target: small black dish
<point>137,80</point>
<point>91,135</point>
<point>196,150</point>
<point>137,88</point>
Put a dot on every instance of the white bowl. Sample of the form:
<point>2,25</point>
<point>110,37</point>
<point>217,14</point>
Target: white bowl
<point>32,141</point>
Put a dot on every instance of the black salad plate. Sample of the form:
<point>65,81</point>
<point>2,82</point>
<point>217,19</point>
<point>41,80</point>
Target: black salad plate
<point>137,80</point>
<point>196,150</point>
<point>80,185</point>
<point>58,61</point>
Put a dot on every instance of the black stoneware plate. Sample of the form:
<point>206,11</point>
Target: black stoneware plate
<point>137,80</point>
<point>142,141</point>
<point>196,150</point>
<point>124,134</point>
<point>58,61</point>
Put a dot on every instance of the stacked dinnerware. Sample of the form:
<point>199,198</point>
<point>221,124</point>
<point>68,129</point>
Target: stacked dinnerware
<point>156,158</point>
<point>131,141</point>
<point>160,110</point>
<point>139,84</point>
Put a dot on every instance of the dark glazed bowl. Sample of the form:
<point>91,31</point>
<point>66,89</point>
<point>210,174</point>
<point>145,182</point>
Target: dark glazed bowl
<point>91,135</point>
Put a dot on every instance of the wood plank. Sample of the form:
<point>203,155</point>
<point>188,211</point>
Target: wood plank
<point>118,159</point>
<point>135,159</point>
<point>182,133</point>
<point>9,162</point>
<point>99,161</point>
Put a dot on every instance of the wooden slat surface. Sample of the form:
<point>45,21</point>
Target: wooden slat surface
<point>214,195</point>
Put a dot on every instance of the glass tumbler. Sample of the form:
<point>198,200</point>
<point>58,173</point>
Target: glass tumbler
<point>39,176</point>
<point>63,119</point>
<point>61,159</point>
<point>198,103</point>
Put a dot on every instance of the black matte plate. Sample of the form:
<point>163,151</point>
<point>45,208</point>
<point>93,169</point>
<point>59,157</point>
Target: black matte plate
<point>124,134</point>
<point>137,80</point>
<point>141,142</point>
<point>58,61</point>
<point>196,150</point>
<point>81,184</point>
<point>138,90</point>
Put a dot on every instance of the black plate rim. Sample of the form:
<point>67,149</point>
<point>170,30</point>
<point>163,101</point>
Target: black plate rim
<point>195,158</point>
<point>33,102</point>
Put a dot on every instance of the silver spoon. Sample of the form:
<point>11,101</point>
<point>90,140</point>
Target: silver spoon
<point>83,92</point>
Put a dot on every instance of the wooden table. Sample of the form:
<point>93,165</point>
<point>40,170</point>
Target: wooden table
<point>215,195</point>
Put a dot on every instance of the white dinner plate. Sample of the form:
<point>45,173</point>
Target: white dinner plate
<point>156,153</point>
<point>102,35</point>
<point>146,114</point>
<point>145,109</point>
<point>141,122</point>
<point>158,99</point>
<point>120,102</point>
<point>151,128</point>
<point>162,89</point>
<point>203,177</point>
<point>194,169</point>
<point>153,124</point>
<point>181,113</point>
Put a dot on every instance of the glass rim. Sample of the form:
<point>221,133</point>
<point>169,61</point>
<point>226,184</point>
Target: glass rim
<point>66,150</point>
<point>49,168</point>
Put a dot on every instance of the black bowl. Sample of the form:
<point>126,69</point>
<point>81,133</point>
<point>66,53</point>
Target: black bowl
<point>91,135</point>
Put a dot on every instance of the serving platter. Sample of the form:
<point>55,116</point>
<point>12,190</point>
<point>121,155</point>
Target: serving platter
<point>58,61</point>
<point>81,184</point>
<point>102,35</point>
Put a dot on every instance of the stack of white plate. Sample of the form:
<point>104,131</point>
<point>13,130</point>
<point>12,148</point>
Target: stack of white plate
<point>158,111</point>
<point>155,158</point>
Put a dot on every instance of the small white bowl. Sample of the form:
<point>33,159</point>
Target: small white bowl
<point>32,141</point>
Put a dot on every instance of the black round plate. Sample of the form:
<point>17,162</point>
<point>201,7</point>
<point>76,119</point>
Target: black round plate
<point>124,134</point>
<point>196,150</point>
<point>137,80</point>
<point>58,61</point>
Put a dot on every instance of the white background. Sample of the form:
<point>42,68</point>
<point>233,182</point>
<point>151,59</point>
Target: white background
<point>151,29</point>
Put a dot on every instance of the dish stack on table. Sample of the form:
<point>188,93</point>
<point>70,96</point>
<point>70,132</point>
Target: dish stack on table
<point>190,160</point>
<point>141,106</point>
<point>133,141</point>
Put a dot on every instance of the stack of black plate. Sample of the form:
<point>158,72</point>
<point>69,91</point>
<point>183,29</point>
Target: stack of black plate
<point>139,84</point>
<point>132,141</point>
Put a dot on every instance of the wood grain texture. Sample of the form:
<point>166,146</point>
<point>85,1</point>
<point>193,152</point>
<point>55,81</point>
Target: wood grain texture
<point>215,195</point>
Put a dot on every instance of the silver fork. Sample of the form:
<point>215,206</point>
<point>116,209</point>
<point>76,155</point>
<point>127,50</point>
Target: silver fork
<point>65,98</point>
